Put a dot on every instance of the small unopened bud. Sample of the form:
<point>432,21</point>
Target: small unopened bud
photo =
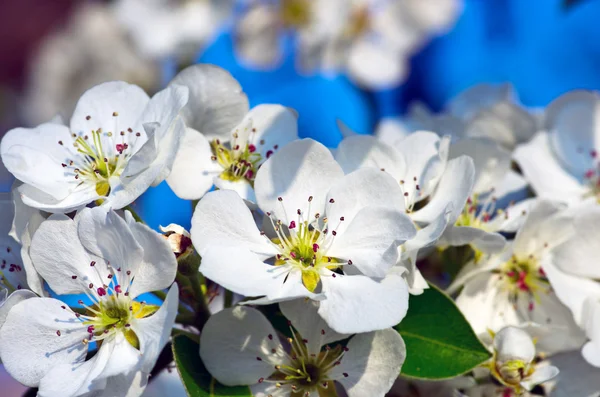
<point>178,238</point>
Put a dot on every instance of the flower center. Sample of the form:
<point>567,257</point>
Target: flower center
<point>304,245</point>
<point>295,13</point>
<point>238,161</point>
<point>478,213</point>
<point>358,22</point>
<point>592,180</point>
<point>524,276</point>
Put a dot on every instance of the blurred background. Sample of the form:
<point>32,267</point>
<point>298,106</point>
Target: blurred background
<point>360,61</point>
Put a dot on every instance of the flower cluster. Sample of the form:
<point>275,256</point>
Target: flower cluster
<point>307,270</point>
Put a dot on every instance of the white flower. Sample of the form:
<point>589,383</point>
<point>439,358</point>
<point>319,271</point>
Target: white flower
<point>573,274</point>
<point>512,363</point>
<point>91,49</point>
<point>119,143</point>
<point>561,163</point>
<point>163,28</point>
<point>240,347</point>
<point>482,111</point>
<point>370,39</point>
<point>224,143</point>
<point>329,237</point>
<point>511,288</point>
<point>44,344</point>
<point>432,189</point>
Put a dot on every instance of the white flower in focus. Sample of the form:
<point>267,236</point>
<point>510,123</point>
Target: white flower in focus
<point>512,363</point>
<point>91,49</point>
<point>250,353</point>
<point>119,143</point>
<point>225,143</point>
<point>331,238</point>
<point>511,287</point>
<point>433,190</point>
<point>561,162</point>
<point>163,28</point>
<point>44,344</point>
<point>574,275</point>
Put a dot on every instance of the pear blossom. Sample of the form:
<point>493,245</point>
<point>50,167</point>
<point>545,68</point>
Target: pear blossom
<point>573,275</point>
<point>433,189</point>
<point>44,343</point>
<point>484,111</point>
<point>225,143</point>
<point>250,353</point>
<point>513,361</point>
<point>90,49</point>
<point>163,28</point>
<point>331,238</point>
<point>119,143</point>
<point>511,287</point>
<point>370,39</point>
<point>561,161</point>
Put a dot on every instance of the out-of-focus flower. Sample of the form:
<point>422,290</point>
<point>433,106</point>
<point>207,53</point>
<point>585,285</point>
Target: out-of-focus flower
<point>250,353</point>
<point>334,239</point>
<point>482,111</point>
<point>164,28</point>
<point>407,387</point>
<point>119,143</point>
<point>370,39</point>
<point>225,143</point>
<point>90,50</point>
<point>574,274</point>
<point>561,162</point>
<point>511,288</point>
<point>44,344</point>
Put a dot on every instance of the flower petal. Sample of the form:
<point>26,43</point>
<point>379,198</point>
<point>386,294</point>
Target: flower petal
<point>273,126</point>
<point>241,187</point>
<point>372,363</point>
<point>232,357</point>
<point>29,342</point>
<point>480,239</point>
<point>61,260</point>
<point>216,100</point>
<point>375,65</point>
<point>455,187</point>
<point>193,170</point>
<point>542,170</point>
<point>359,304</point>
<point>77,199</point>
<point>13,299</point>
<point>371,240</point>
<point>296,172</point>
<point>512,343</point>
<point>540,376</point>
<point>222,218</point>
<point>154,331</point>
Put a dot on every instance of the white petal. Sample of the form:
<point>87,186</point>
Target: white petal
<point>542,170</point>
<point>359,304</point>
<point>376,66</point>
<point>346,131</point>
<point>362,151</point>
<point>455,187</point>
<point>13,299</point>
<point>509,185</point>
<point>231,357</point>
<point>131,385</point>
<point>591,353</point>
<point>241,187</point>
<point>515,215</point>
<point>273,126</point>
<point>491,161</point>
<point>123,357</point>
<point>372,363</point>
<point>480,239</point>
<point>573,125</point>
<point>257,36</point>
<point>154,332</point>
<point>107,235</point>
<point>296,172</point>
<point>512,343</point>
<point>34,156</point>
<point>127,101</point>
<point>30,345</point>
<point>222,218</point>
<point>77,199</point>
<point>241,271</point>
<point>216,100</point>
<point>268,389</point>
<point>540,376</point>
<point>470,101</point>
<point>193,170</point>
<point>58,256</point>
<point>306,320</point>
<point>16,212</point>
<point>371,240</point>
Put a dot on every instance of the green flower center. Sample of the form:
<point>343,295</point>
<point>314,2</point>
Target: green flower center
<point>295,13</point>
<point>239,162</point>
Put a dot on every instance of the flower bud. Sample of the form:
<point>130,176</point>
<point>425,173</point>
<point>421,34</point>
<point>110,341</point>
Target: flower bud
<point>179,239</point>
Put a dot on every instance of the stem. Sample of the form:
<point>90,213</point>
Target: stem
<point>134,214</point>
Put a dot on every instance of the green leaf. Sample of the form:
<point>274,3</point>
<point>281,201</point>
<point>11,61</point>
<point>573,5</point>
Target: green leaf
<point>440,343</point>
<point>198,382</point>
